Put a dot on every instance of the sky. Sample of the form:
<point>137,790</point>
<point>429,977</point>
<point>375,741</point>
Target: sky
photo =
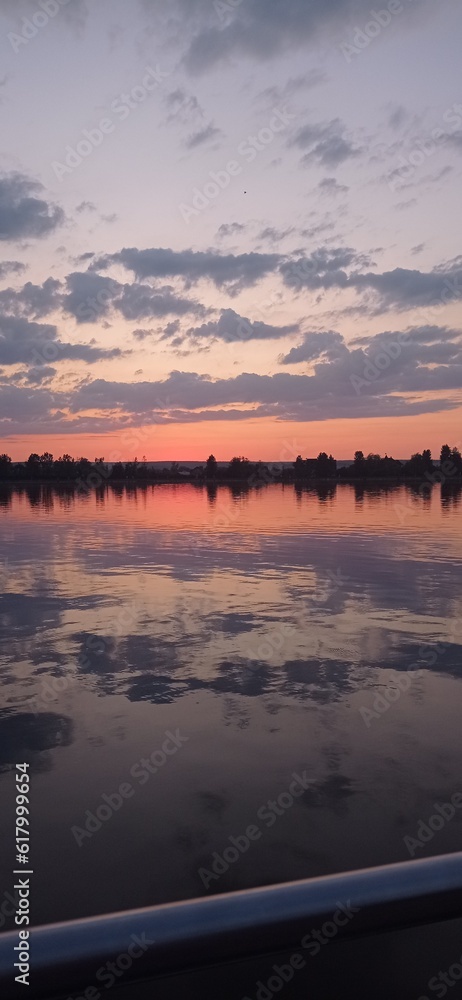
<point>230,226</point>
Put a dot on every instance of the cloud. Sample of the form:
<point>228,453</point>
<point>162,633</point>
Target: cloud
<point>183,108</point>
<point>261,29</point>
<point>22,213</point>
<point>407,289</point>
<point>86,206</point>
<point>24,342</point>
<point>273,235</point>
<point>20,404</point>
<point>35,376</point>
<point>331,187</point>
<point>329,345</point>
<point>306,81</point>
<point>420,362</point>
<point>225,270</point>
<point>398,117</point>
<point>233,328</point>
<point>324,268</point>
<point>229,229</point>
<point>141,334</point>
<point>202,136</point>
<point>170,330</point>
<point>32,301</point>
<point>92,297</point>
<point>11,267</point>
<point>328,144</point>
<point>401,289</point>
<point>403,205</point>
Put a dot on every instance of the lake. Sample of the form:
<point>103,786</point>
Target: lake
<point>218,689</point>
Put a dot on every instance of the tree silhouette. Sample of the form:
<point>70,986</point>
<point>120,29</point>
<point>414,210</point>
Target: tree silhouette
<point>211,467</point>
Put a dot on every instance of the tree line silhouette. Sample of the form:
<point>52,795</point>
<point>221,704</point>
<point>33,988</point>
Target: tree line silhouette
<point>44,468</point>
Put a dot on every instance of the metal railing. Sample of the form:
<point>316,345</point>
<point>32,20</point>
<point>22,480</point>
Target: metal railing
<point>196,934</point>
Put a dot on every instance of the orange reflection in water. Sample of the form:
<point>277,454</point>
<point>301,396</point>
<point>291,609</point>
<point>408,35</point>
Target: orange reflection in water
<point>233,509</point>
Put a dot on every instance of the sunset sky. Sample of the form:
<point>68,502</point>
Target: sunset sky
<point>230,227</point>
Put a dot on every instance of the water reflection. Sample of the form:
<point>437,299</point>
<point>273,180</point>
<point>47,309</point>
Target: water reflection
<point>451,494</point>
<point>259,623</point>
<point>27,737</point>
<point>66,496</point>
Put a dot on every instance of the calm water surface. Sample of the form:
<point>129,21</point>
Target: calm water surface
<point>259,626</point>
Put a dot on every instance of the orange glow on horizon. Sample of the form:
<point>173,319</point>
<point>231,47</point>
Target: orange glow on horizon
<point>265,439</point>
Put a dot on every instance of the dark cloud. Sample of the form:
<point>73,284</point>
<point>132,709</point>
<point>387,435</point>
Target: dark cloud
<point>233,328</point>
<point>184,109</point>
<point>229,229</point>
<point>141,334</point>
<point>419,360</point>
<point>171,329</point>
<point>36,376</point>
<point>403,205</point>
<point>398,117</point>
<point>86,206</point>
<point>225,270</point>
<point>272,235</point>
<point>83,257</point>
<point>306,81</point>
<point>22,213</point>
<point>407,289</point>
<point>325,268</point>
<point>24,342</point>
<point>401,289</point>
<point>202,136</point>
<point>11,267</point>
<point>327,144</point>
<point>32,301</point>
<point>91,297</point>
<point>261,29</point>
<point>390,374</point>
<point>328,344</point>
<point>20,404</point>
<point>331,187</point>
